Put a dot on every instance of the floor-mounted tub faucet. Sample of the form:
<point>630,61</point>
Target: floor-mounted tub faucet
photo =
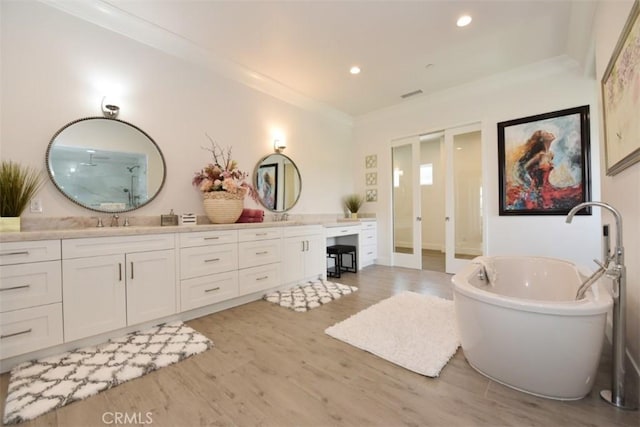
<point>615,396</point>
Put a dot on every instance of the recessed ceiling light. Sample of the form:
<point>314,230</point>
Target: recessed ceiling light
<point>355,70</point>
<point>463,21</point>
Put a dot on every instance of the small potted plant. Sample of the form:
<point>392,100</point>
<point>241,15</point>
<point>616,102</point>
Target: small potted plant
<point>353,203</point>
<point>18,185</point>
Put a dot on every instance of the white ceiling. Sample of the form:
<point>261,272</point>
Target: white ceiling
<point>309,46</point>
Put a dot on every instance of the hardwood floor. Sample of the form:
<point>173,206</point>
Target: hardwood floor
<point>274,367</point>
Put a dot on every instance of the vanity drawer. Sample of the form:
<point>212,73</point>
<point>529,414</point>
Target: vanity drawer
<point>368,255</point>
<point>302,230</point>
<point>204,260</point>
<point>35,251</point>
<point>206,290</point>
<point>29,285</point>
<point>205,238</point>
<point>343,231</point>
<point>368,237</point>
<point>259,234</point>
<point>30,329</point>
<point>111,245</point>
<point>252,254</point>
<point>368,225</point>
<point>259,278</point>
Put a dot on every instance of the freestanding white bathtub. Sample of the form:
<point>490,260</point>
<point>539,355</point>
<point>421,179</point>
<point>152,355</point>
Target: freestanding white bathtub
<point>524,328</point>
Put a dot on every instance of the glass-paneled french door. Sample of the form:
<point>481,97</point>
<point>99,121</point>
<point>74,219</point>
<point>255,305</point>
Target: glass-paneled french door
<point>437,197</point>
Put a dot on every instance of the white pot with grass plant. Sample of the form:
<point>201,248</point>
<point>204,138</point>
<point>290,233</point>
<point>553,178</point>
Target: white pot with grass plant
<point>353,203</point>
<point>18,185</point>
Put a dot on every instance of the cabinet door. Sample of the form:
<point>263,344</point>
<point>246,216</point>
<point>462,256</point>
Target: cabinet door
<point>293,261</point>
<point>315,257</point>
<point>151,288</point>
<point>93,291</point>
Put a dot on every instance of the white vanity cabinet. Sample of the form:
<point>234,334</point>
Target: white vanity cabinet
<point>303,253</point>
<point>368,243</point>
<point>113,282</point>
<point>259,253</point>
<point>208,267</point>
<point>30,296</point>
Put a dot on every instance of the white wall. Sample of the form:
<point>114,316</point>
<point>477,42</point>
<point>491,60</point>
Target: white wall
<point>548,86</point>
<point>56,68</point>
<point>622,190</point>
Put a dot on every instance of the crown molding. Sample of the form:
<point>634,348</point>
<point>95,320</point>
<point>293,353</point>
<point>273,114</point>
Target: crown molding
<point>114,19</point>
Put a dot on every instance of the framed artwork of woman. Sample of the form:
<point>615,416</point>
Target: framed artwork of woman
<point>267,185</point>
<point>544,163</point>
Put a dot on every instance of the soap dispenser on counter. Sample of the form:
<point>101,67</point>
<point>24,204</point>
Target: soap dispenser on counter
<point>169,219</point>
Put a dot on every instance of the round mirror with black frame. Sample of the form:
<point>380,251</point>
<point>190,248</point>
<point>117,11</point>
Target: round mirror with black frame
<point>106,164</point>
<point>278,183</point>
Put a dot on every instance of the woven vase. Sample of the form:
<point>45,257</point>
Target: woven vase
<point>222,207</point>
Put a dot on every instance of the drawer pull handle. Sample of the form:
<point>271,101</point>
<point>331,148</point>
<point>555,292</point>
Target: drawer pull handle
<point>13,288</point>
<point>261,234</point>
<point>212,260</point>
<point>15,334</point>
<point>262,253</point>
<point>217,288</point>
<point>344,231</point>
<point>15,253</point>
<point>212,238</point>
<point>263,278</point>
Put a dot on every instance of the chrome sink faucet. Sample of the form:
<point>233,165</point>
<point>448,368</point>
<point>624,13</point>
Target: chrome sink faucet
<point>618,272</point>
<point>114,220</point>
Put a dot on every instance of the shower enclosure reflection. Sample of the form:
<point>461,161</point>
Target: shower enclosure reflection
<point>102,179</point>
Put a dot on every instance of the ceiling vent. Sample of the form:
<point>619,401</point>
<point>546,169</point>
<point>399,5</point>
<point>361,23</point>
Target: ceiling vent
<point>410,94</point>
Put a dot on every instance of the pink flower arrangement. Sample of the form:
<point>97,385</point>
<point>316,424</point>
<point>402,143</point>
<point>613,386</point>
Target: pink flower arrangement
<point>223,174</point>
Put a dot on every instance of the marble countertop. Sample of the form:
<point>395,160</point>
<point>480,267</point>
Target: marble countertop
<point>76,233</point>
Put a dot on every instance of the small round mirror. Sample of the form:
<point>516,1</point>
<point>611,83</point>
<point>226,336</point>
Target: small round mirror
<point>106,165</point>
<point>278,182</point>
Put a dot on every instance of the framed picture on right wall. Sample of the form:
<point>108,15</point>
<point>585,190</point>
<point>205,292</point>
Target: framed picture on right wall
<point>621,100</point>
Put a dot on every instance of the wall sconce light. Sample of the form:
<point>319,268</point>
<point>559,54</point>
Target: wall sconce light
<point>110,111</point>
<point>279,145</point>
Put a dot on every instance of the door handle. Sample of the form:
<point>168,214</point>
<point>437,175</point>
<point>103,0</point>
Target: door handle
<point>418,218</point>
<point>446,218</point>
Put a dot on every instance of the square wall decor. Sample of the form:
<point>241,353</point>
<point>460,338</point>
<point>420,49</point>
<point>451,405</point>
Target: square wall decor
<point>372,195</point>
<point>372,178</point>
<point>371,161</point>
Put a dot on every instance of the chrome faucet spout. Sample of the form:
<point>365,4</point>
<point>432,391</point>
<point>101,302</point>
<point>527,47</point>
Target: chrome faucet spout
<point>619,251</point>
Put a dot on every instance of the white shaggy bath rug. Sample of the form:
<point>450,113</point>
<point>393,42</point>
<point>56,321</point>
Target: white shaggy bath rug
<point>305,297</point>
<point>417,332</point>
<point>42,385</point>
